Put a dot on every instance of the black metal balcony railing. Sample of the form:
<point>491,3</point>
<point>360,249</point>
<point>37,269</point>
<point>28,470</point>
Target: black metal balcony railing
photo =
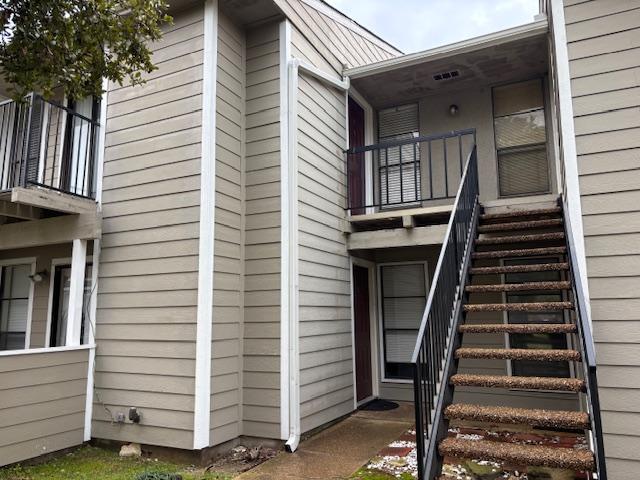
<point>435,346</point>
<point>45,144</point>
<point>407,172</point>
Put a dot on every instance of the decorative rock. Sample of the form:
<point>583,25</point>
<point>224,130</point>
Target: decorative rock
<point>131,450</point>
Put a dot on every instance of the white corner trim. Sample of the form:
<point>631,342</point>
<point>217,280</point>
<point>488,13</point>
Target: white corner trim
<point>202,405</point>
<point>101,141</point>
<point>285,55</point>
<point>76,291</point>
<point>91,338</point>
<point>569,150</point>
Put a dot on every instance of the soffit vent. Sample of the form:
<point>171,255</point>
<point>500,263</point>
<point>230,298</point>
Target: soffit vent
<point>446,75</point>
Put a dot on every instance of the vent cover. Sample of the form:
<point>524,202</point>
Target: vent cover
<point>446,75</point>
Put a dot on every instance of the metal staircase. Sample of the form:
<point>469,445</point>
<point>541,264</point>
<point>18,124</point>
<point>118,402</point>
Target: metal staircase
<point>478,247</point>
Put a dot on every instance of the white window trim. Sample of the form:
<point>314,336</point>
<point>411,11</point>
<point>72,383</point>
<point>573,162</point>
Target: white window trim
<point>24,261</point>
<point>55,263</point>
<point>383,377</point>
<point>373,320</point>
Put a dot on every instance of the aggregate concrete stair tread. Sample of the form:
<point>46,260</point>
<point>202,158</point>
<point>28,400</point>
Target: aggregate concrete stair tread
<point>518,307</point>
<point>537,354</point>
<point>538,267</point>
<point>536,237</point>
<point>533,224</point>
<point>519,328</point>
<point>510,382</point>
<point>518,287</point>
<point>527,416</point>
<point>523,455</point>
<point>520,213</point>
<point>524,252</point>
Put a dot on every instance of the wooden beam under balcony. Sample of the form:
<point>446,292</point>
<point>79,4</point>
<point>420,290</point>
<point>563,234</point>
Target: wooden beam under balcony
<point>52,200</point>
<point>47,231</point>
<point>397,237</point>
<point>17,210</point>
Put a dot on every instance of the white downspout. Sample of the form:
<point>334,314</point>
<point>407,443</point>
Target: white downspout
<point>294,68</point>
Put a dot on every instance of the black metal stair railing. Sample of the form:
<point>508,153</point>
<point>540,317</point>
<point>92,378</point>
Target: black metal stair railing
<point>588,352</point>
<point>433,360</point>
<point>45,144</point>
<point>406,172</point>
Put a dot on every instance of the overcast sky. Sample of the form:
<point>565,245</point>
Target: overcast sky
<point>414,25</point>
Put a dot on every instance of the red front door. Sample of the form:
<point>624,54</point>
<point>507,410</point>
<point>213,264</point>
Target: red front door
<point>355,162</point>
<point>362,333</point>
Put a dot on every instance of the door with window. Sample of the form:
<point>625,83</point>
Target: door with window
<point>521,139</point>
<point>15,291</point>
<point>398,165</point>
<point>403,294</point>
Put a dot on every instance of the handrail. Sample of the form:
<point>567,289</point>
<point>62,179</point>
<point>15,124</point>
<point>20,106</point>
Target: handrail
<point>408,171</point>
<point>588,351</point>
<point>433,355</point>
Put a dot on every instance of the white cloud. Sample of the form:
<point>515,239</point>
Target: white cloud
<point>414,25</point>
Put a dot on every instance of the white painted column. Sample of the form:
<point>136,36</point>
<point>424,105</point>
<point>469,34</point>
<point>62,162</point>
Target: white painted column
<point>76,292</point>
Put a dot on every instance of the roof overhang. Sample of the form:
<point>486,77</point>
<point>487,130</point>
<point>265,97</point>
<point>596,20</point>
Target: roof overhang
<point>508,55</point>
<point>529,30</point>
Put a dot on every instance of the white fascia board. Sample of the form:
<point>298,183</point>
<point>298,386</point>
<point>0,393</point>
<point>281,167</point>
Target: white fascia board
<point>569,149</point>
<point>497,38</point>
<point>202,405</point>
<point>285,55</point>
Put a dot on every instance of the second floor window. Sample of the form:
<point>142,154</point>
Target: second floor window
<point>399,166</point>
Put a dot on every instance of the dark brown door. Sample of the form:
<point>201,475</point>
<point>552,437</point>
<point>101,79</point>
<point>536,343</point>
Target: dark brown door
<point>355,162</point>
<point>362,332</point>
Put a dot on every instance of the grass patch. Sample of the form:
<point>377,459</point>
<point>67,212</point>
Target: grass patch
<point>366,474</point>
<point>91,463</point>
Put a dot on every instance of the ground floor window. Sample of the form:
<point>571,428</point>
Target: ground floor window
<point>15,290</point>
<point>538,340</point>
<point>403,294</point>
<point>61,281</point>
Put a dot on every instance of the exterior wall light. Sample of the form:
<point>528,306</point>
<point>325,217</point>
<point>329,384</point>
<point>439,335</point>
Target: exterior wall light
<point>453,110</point>
<point>39,276</point>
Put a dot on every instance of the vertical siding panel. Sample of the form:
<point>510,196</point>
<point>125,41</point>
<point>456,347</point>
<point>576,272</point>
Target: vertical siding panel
<point>326,367</point>
<point>228,250</point>
<point>261,348</point>
<point>148,274</point>
<point>601,53</point>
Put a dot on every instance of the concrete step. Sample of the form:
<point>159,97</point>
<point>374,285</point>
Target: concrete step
<point>518,307</point>
<point>527,416</point>
<point>536,237</point>
<point>525,252</point>
<point>521,455</point>
<point>520,214</point>
<point>518,287</point>
<point>537,354</point>
<point>519,328</point>
<point>533,224</point>
<point>538,267</point>
<point>509,382</point>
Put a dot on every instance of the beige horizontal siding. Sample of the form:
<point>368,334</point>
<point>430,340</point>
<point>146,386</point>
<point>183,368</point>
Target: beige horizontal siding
<point>226,346</point>
<point>147,295</point>
<point>604,50</point>
<point>42,403</point>
<point>326,363</point>
<point>338,43</point>
<point>261,339</point>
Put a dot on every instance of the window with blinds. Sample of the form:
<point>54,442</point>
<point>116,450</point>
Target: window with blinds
<point>14,305</point>
<point>521,136</point>
<point>399,166</point>
<point>404,294</point>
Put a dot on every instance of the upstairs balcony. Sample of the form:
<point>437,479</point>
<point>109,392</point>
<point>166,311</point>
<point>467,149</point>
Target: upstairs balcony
<point>48,155</point>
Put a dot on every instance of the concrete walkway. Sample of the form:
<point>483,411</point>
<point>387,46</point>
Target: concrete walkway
<point>338,451</point>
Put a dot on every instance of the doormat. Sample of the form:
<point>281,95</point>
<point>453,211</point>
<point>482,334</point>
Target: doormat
<point>379,405</point>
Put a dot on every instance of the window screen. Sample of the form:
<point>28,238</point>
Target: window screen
<point>520,131</point>
<point>538,340</point>
<point>399,166</point>
<point>14,305</point>
<point>404,292</point>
